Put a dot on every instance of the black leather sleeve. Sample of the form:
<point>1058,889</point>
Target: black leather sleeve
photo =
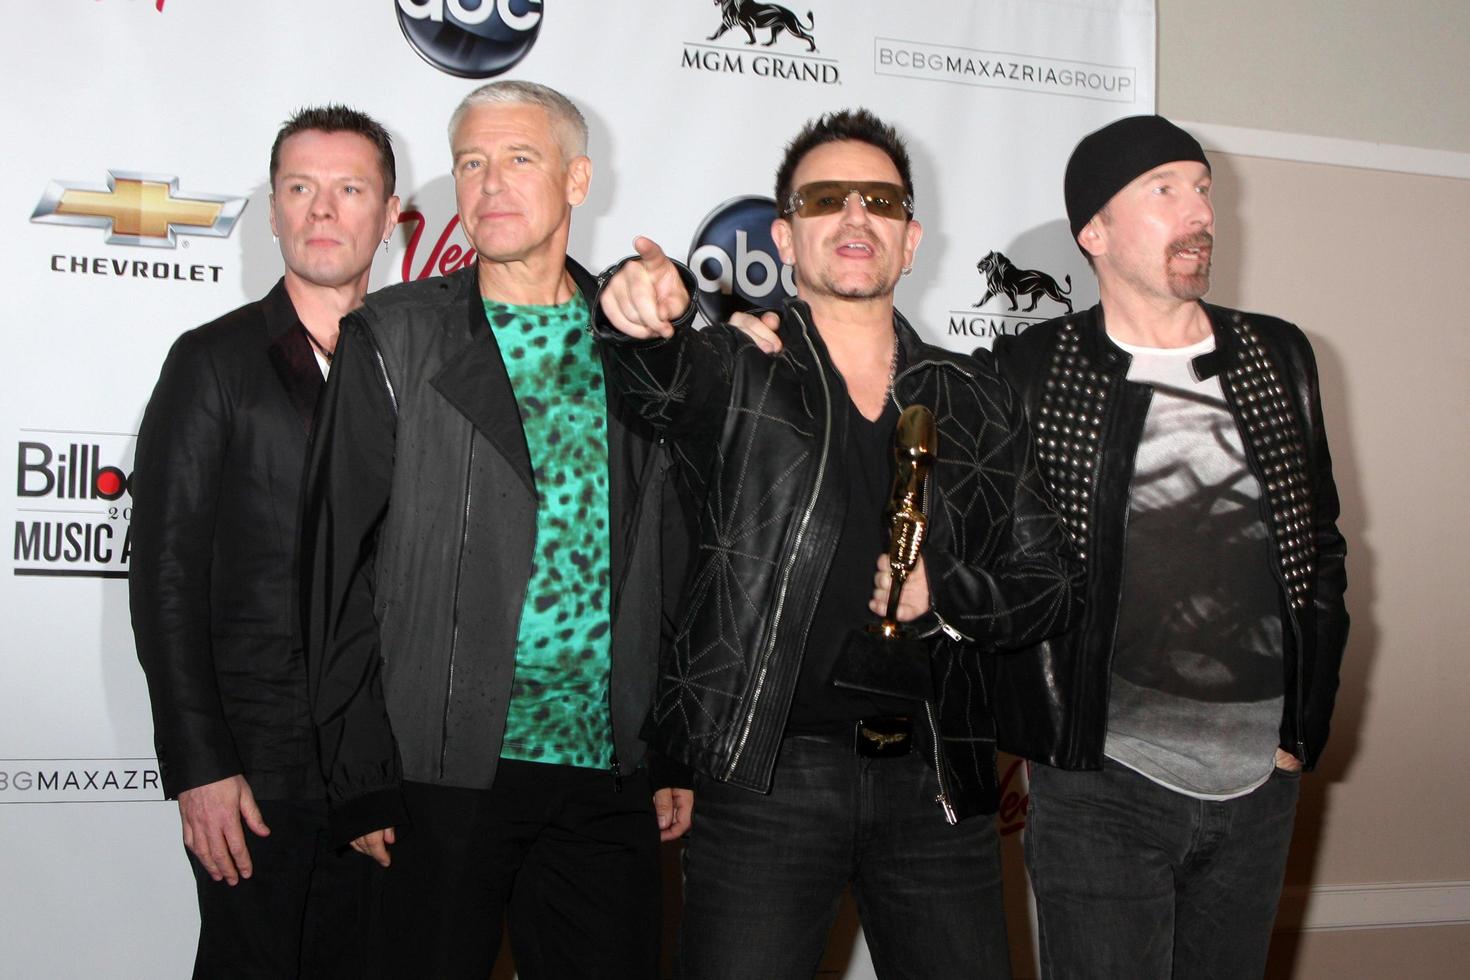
<point>680,385</point>
<point>1329,605</point>
<point>666,772</point>
<point>1020,581</point>
<point>176,481</point>
<point>346,496</point>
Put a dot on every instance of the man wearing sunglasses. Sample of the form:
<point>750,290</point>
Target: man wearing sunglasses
<point>804,787</point>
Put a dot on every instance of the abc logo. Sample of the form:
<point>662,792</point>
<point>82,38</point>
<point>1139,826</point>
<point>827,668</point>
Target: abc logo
<point>735,260</point>
<point>470,38</point>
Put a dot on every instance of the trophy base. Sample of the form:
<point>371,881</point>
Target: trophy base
<point>898,667</point>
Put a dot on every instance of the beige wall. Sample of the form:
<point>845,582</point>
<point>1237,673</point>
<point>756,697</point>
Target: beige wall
<point>1366,263</point>
<point>1370,263</point>
<point>1379,954</point>
<point>1384,71</point>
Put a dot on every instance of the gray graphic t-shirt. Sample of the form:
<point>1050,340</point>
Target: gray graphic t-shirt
<point>1197,668</point>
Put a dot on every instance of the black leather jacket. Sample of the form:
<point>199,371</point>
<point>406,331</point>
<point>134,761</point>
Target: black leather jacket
<point>751,433</point>
<point>1087,421</point>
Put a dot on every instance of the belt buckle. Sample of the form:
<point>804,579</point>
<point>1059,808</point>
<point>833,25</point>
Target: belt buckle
<point>882,738</point>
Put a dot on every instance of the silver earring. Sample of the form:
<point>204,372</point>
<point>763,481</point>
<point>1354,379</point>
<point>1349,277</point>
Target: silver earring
<point>908,269</point>
<point>385,244</point>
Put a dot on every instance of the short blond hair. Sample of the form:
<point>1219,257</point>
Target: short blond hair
<point>567,122</point>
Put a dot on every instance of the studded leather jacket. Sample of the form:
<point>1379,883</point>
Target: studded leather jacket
<point>1087,421</point>
<point>752,436</point>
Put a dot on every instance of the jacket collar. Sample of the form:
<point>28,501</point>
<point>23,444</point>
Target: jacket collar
<point>910,343</point>
<point>291,354</point>
<point>919,355</point>
<point>916,354</point>
<point>475,381</point>
<point>1100,348</point>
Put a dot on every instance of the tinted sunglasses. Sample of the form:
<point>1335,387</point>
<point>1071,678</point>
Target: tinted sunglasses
<point>830,196</point>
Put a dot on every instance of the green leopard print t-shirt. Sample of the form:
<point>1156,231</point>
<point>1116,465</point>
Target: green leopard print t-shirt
<point>558,703</point>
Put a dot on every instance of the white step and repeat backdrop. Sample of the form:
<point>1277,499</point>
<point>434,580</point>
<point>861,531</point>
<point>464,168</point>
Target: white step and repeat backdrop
<point>134,207</point>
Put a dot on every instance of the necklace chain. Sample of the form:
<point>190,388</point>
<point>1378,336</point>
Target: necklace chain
<point>892,368</point>
<point>327,355</point>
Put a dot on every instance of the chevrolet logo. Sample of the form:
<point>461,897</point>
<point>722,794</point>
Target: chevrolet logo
<point>138,209</point>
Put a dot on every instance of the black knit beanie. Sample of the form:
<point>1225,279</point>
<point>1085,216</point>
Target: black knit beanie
<point>1108,160</point>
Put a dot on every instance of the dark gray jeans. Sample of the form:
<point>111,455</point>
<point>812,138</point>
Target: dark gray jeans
<point>764,874</point>
<point>1135,880</point>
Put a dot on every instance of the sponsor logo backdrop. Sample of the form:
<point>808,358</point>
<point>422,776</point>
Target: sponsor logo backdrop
<point>135,208</point>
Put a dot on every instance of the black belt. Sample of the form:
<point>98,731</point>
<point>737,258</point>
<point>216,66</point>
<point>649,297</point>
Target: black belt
<point>882,737</point>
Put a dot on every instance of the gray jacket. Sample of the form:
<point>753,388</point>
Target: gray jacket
<point>418,535</point>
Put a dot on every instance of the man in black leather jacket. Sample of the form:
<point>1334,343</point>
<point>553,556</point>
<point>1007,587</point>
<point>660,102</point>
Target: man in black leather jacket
<point>217,496</point>
<point>805,788</point>
<point>1185,444</point>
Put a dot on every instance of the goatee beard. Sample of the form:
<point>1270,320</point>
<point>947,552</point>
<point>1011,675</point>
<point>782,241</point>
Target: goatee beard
<point>1192,285</point>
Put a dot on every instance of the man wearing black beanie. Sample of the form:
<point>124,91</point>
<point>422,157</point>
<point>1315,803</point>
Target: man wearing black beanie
<point>1184,444</point>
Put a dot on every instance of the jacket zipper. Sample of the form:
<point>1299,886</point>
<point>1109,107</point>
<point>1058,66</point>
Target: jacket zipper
<point>464,538</point>
<point>464,535</point>
<point>943,799</point>
<point>765,658</point>
<point>378,358</point>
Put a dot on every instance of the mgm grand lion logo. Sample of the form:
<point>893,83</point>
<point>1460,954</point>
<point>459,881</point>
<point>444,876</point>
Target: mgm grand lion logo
<point>1003,278</point>
<point>751,17</point>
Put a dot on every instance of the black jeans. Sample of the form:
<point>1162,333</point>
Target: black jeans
<point>1135,880</point>
<point>764,874</point>
<point>569,860</point>
<point>304,911</point>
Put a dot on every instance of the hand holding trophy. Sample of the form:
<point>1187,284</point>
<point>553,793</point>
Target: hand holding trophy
<point>882,658</point>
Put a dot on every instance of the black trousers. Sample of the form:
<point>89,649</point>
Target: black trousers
<point>562,854</point>
<point>302,912</point>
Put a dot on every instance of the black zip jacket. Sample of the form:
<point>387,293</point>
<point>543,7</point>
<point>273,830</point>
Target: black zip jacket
<point>1087,421</point>
<point>752,436</point>
<point>420,526</point>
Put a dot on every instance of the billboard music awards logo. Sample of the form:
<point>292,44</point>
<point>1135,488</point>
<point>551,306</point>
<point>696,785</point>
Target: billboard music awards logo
<point>763,25</point>
<point>735,260</point>
<point>470,38</point>
<point>1004,280</point>
<point>74,504</point>
<point>146,210</point>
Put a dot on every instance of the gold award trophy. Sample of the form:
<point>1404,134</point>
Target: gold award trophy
<point>882,658</point>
